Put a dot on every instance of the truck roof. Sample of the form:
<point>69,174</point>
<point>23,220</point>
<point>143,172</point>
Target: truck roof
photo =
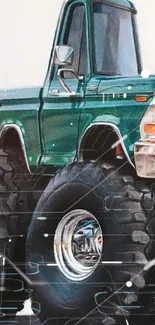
<point>122,3</point>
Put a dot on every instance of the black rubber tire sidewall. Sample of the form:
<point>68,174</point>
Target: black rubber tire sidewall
<point>90,189</point>
<point>62,292</point>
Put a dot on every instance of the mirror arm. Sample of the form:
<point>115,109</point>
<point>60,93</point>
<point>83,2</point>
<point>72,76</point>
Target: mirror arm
<point>60,78</point>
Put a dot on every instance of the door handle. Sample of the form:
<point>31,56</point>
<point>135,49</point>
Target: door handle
<point>92,88</point>
<point>54,92</point>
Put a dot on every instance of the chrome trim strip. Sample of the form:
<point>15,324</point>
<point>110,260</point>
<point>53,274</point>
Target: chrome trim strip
<point>5,128</point>
<point>116,129</point>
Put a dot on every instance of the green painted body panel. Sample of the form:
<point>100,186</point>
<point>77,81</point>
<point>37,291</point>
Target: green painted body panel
<point>21,107</point>
<point>60,117</point>
<point>49,122</point>
<point>114,102</point>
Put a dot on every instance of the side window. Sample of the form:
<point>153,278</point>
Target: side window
<point>76,36</point>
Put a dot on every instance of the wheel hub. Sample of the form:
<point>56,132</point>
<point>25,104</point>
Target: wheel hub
<point>78,244</point>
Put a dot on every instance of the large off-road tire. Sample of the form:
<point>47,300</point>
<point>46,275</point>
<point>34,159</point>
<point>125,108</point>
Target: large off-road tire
<point>79,273</point>
<point>17,204</point>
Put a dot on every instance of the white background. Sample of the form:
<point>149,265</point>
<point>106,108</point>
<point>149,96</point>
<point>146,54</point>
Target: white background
<point>26,33</point>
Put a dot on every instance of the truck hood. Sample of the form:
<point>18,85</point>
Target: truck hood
<point>113,102</point>
<point>129,86</point>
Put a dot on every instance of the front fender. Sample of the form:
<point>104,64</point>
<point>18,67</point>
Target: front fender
<point>121,138</point>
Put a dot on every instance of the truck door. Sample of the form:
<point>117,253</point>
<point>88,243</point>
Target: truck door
<point>60,112</point>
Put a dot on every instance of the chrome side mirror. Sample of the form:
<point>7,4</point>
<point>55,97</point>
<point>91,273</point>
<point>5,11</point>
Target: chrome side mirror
<point>64,55</point>
<point>61,80</point>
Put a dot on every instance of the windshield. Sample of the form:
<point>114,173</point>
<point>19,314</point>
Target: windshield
<point>115,52</point>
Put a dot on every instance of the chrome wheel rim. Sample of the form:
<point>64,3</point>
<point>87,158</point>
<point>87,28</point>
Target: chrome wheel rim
<point>78,244</point>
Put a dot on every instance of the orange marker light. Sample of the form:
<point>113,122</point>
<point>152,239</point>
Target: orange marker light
<point>141,99</point>
<point>149,129</point>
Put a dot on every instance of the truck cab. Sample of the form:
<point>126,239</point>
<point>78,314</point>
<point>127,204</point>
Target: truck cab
<point>106,67</point>
<point>74,155</point>
<point>75,110</point>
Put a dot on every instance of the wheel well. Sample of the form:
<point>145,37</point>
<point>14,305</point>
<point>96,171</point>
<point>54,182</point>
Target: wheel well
<point>10,139</point>
<point>97,143</point>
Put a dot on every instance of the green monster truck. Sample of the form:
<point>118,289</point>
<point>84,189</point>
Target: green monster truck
<point>77,170</point>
